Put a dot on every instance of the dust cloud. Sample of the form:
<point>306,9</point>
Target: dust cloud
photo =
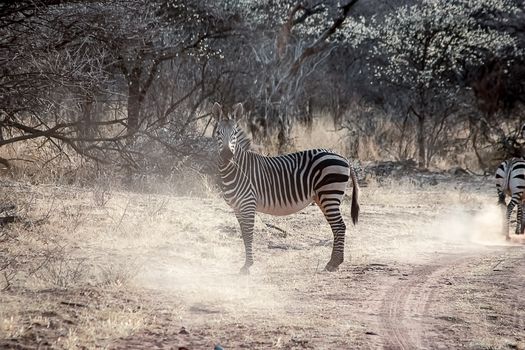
<point>190,248</point>
<point>410,230</point>
<point>479,227</point>
<point>213,288</point>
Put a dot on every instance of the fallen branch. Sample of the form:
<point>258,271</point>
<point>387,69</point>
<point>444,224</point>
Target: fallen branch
<point>285,234</point>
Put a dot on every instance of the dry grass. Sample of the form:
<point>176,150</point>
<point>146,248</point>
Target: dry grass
<point>125,268</point>
<point>63,319</point>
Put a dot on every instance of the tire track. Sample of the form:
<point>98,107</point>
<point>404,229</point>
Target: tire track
<point>408,303</point>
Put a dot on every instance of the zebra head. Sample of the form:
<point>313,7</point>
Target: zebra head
<point>229,135</point>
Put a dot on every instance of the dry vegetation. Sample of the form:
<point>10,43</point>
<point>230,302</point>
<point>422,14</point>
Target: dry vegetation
<point>99,267</point>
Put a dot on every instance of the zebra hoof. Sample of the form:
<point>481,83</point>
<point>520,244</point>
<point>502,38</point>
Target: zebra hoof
<point>331,268</point>
<point>244,271</point>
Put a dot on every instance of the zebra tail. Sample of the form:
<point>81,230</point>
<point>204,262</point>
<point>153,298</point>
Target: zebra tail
<point>354,210</point>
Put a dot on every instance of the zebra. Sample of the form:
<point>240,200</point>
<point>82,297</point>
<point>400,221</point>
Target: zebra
<point>510,179</point>
<point>280,185</point>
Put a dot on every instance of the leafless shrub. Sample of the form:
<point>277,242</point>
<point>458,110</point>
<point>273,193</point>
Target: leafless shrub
<point>101,196</point>
<point>118,273</point>
<point>61,270</point>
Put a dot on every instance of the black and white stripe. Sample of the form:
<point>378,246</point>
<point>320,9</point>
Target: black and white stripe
<point>510,180</point>
<point>281,185</point>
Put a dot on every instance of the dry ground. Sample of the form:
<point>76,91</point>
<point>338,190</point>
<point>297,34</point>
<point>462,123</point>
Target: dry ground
<point>426,268</point>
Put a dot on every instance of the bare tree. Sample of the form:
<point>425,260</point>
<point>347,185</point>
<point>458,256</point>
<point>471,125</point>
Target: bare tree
<point>282,59</point>
<point>50,65</point>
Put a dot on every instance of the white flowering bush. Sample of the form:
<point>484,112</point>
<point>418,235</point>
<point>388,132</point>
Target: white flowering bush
<point>431,43</point>
<point>426,50</point>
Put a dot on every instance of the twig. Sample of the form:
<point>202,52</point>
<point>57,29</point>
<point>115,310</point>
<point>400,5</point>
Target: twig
<point>285,234</point>
<point>69,303</point>
<point>7,281</point>
<point>499,262</point>
<point>123,214</point>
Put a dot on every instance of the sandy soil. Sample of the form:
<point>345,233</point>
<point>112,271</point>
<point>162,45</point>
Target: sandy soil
<point>426,268</point>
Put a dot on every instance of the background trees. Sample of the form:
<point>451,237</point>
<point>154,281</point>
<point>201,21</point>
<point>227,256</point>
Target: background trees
<point>427,51</point>
<point>129,82</point>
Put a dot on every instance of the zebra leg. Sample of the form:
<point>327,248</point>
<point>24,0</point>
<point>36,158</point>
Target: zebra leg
<point>513,201</point>
<point>522,219</point>
<point>501,198</point>
<point>332,214</point>
<point>338,249</point>
<point>246,220</point>
<point>503,206</point>
<point>519,220</point>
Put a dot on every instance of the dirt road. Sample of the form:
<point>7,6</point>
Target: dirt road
<point>420,276</point>
<point>461,300</point>
<point>422,312</point>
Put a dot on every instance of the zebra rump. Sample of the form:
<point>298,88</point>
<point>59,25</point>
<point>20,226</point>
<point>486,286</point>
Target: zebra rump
<point>510,180</point>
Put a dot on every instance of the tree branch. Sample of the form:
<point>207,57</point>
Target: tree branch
<point>320,44</point>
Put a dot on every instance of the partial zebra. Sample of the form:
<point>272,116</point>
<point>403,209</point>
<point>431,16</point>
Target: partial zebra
<point>510,179</point>
<point>281,185</point>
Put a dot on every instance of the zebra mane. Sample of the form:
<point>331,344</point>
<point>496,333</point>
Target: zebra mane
<point>243,140</point>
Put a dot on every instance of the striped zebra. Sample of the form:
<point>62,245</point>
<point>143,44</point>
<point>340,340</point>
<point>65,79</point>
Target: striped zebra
<point>281,185</point>
<point>510,180</point>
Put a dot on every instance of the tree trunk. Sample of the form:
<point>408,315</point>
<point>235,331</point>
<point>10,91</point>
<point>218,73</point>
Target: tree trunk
<point>282,137</point>
<point>402,150</point>
<point>309,118</point>
<point>421,144</point>
<point>87,131</point>
<point>134,101</point>
<point>134,104</point>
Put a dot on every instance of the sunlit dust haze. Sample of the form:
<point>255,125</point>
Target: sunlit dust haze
<point>479,227</point>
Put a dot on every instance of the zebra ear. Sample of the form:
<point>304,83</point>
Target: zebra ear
<point>216,111</point>
<point>238,112</point>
